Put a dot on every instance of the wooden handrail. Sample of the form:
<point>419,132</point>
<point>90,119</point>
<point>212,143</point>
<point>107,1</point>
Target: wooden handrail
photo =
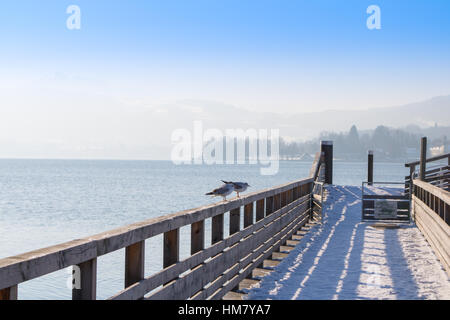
<point>433,190</point>
<point>436,158</point>
<point>315,168</point>
<point>437,170</point>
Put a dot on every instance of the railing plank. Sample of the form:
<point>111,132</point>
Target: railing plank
<point>431,159</point>
<point>33,264</point>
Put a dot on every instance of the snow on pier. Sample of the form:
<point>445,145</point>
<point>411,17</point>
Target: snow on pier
<point>345,258</point>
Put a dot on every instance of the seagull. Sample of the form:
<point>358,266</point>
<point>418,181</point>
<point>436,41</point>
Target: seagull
<point>223,191</point>
<point>238,186</point>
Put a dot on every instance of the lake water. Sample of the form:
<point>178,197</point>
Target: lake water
<point>46,202</point>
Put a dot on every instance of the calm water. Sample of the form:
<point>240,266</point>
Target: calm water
<point>46,202</point>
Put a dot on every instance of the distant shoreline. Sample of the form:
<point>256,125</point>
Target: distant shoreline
<point>162,160</point>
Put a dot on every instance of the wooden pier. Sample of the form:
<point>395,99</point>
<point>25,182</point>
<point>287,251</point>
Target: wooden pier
<point>274,220</point>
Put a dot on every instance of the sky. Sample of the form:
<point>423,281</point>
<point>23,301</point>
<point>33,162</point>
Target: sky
<point>270,56</point>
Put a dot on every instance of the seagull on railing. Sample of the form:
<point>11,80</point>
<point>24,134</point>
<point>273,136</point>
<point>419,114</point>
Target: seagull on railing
<point>223,191</point>
<point>238,186</point>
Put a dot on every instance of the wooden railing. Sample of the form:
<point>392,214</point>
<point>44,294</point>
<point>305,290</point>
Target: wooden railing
<point>317,173</point>
<point>431,210</point>
<point>270,217</point>
<point>437,174</point>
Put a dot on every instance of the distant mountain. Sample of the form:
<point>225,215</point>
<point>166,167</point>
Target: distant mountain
<point>422,114</point>
<point>103,127</point>
<point>309,125</point>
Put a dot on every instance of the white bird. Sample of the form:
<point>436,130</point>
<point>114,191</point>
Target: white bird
<point>223,191</point>
<point>238,186</point>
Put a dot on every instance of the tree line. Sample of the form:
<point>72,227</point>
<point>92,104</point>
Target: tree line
<point>387,143</point>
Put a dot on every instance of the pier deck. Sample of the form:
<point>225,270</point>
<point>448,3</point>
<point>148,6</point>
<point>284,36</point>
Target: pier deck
<point>346,258</point>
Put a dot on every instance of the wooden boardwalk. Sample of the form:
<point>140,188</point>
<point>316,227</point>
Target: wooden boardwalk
<point>346,258</point>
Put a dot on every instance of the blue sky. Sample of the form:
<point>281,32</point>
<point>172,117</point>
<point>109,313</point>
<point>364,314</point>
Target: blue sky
<point>287,56</point>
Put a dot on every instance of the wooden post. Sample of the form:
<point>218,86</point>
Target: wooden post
<point>259,209</point>
<point>88,281</point>
<point>197,236</point>
<point>370,167</point>
<point>269,205</point>
<point>412,168</point>
<point>248,221</point>
<point>327,149</point>
<point>235,225</point>
<point>235,220</point>
<point>447,213</point>
<point>217,228</point>
<point>290,194</point>
<point>423,158</point>
<point>134,263</point>
<point>248,215</point>
<point>171,250</point>
<point>295,195</point>
<point>283,199</point>
<point>277,202</point>
<point>9,293</point>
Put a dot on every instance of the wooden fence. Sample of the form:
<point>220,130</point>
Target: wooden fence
<point>430,201</point>
<point>437,174</point>
<point>431,211</point>
<point>270,218</point>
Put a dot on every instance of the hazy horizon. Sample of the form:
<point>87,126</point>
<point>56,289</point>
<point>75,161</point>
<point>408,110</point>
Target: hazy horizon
<point>134,72</point>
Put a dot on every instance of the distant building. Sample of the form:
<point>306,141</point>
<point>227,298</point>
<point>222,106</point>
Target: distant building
<point>306,157</point>
<point>442,148</point>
